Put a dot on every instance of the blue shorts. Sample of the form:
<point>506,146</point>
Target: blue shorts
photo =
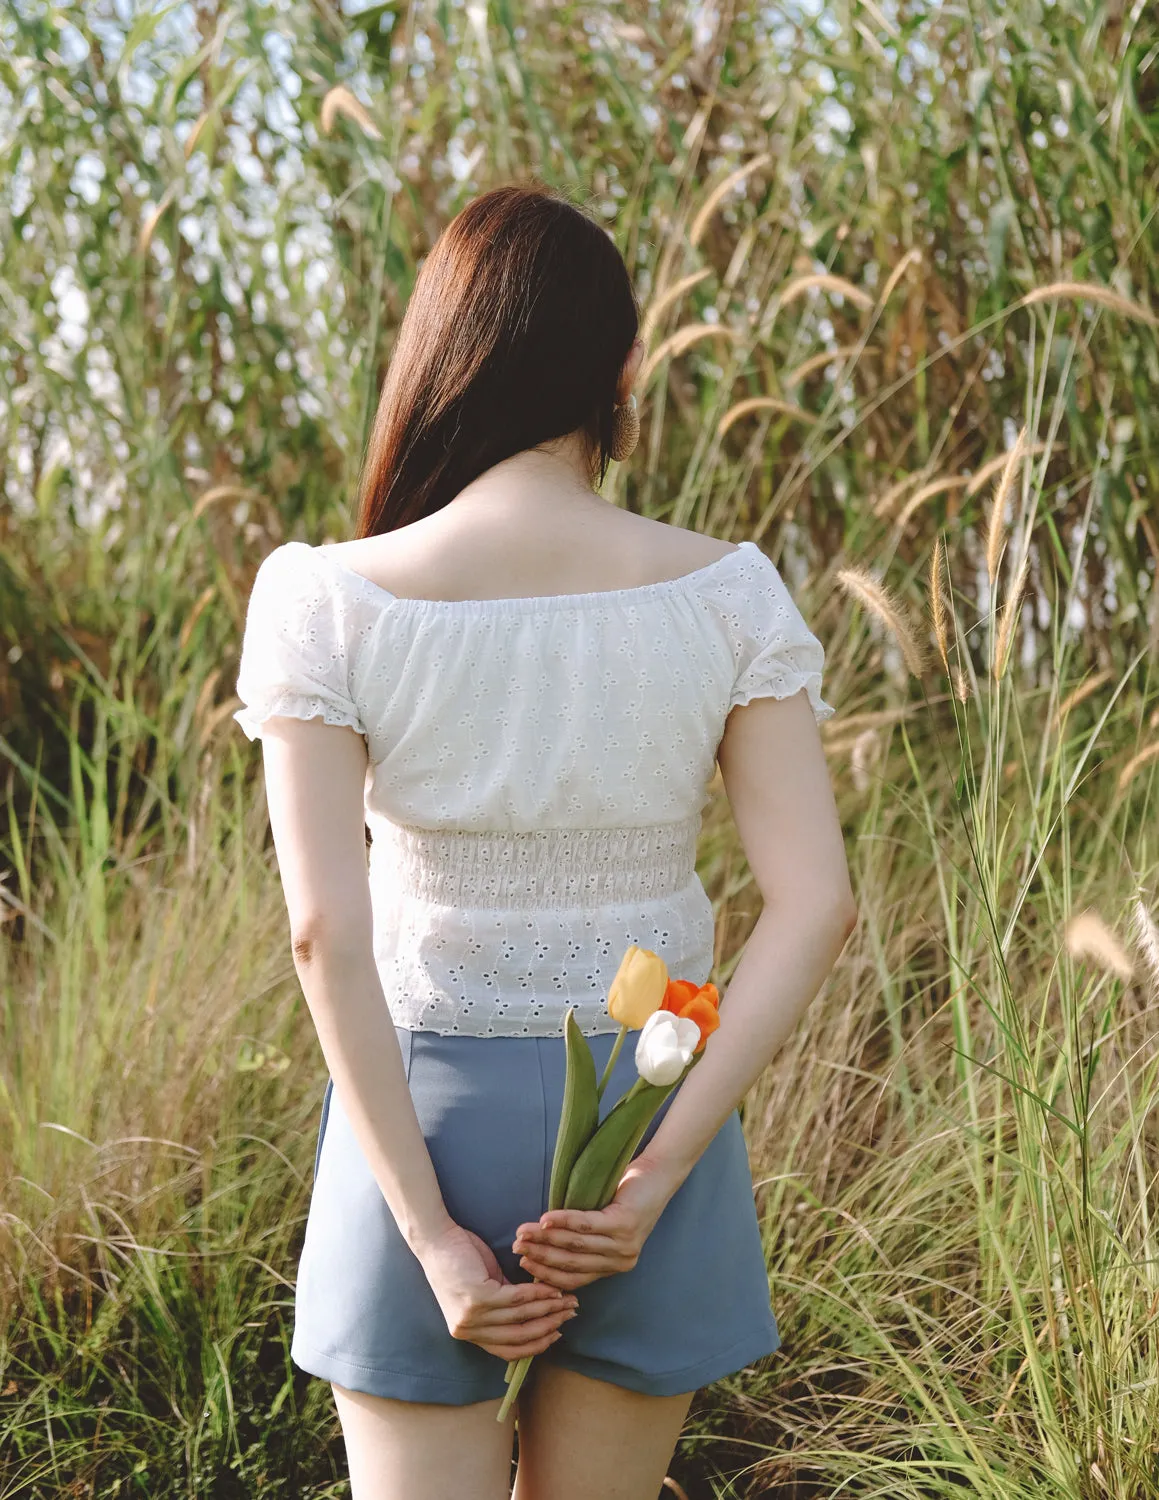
<point>694,1308</point>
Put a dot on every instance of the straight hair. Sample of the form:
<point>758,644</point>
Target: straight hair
<point>519,323</point>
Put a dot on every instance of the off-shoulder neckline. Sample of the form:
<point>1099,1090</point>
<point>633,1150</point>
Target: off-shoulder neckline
<point>520,602</point>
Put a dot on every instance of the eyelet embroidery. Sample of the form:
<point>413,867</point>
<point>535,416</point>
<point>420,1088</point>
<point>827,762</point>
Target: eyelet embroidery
<point>539,767</point>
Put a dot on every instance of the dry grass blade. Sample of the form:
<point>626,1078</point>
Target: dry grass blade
<point>664,300</point>
<point>721,191</point>
<point>938,603</point>
<point>340,101</point>
<point>861,586</point>
<point>1089,291</point>
<point>982,476</point>
<point>683,339</point>
<point>1148,753</point>
<point>1088,936</point>
<point>996,529</point>
<point>761,403</point>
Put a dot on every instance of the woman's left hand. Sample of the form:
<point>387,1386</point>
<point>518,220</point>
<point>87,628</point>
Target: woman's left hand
<point>569,1247</point>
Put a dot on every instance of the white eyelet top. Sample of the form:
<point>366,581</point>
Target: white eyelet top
<point>537,771</point>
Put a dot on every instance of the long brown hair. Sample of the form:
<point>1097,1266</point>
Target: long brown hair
<point>520,320</point>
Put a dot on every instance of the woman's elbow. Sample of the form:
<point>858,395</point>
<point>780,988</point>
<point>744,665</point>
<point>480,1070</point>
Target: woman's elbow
<point>841,912</point>
<point>325,937</point>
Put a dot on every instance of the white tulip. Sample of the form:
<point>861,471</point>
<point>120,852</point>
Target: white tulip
<point>665,1047</point>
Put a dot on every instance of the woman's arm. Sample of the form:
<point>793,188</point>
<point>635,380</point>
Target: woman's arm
<point>315,781</point>
<point>777,782</point>
<point>778,786</point>
<point>315,777</point>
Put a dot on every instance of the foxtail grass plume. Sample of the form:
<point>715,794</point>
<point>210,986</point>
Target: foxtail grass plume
<point>866,753</point>
<point>1088,936</point>
<point>721,191</point>
<point>1148,753</point>
<point>194,135</point>
<point>910,258</point>
<point>938,603</point>
<point>1089,291</point>
<point>682,339</point>
<point>961,686</point>
<point>996,530</point>
<point>817,362</point>
<point>1146,939</point>
<point>665,299</point>
<point>823,281</point>
<point>927,492</point>
<point>1010,613</point>
<point>153,218</point>
<point>761,403</point>
<point>884,504</point>
<point>340,101</point>
<point>1078,694</point>
<point>861,586</point>
<point>982,477</point>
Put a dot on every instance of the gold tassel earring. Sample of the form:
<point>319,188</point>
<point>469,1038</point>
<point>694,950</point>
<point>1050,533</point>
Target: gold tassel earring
<point>625,429</point>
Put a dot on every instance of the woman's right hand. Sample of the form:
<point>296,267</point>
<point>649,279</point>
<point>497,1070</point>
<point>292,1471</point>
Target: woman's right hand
<point>510,1319</point>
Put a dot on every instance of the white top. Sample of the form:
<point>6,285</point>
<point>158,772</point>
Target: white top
<point>537,768</point>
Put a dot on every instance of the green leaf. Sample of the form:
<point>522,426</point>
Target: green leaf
<point>580,1112</point>
<point>601,1163</point>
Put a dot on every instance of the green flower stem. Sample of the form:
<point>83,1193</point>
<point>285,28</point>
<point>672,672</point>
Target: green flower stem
<point>611,1062</point>
<point>513,1383</point>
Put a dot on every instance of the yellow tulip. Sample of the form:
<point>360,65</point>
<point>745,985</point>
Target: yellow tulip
<point>639,987</point>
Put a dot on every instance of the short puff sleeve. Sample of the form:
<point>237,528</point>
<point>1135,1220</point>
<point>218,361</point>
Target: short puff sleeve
<point>294,659</point>
<point>777,654</point>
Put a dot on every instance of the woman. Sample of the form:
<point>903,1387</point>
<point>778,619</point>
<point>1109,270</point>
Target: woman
<point>522,690</point>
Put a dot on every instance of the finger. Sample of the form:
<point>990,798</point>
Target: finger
<point>569,1260</point>
<point>569,1239</point>
<point>519,1351</point>
<point>525,1333</point>
<point>558,1307</point>
<point>593,1222</point>
<point>512,1294</point>
<point>569,1281</point>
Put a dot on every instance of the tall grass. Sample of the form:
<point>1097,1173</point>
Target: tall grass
<point>897,265</point>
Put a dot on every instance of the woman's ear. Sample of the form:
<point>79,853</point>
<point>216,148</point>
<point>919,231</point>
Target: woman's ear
<point>629,370</point>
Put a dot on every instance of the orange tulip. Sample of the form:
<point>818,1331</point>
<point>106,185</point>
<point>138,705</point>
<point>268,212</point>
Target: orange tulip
<point>697,1002</point>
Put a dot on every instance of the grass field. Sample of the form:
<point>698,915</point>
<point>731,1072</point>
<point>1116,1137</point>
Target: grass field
<point>898,265</point>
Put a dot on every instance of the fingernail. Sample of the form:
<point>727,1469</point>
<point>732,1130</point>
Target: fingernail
<point>571,1312</point>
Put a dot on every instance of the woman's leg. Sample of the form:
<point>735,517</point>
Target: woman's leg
<point>420,1450</point>
<point>580,1438</point>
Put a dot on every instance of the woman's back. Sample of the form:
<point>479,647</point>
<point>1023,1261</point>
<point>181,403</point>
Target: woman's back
<point>539,760</point>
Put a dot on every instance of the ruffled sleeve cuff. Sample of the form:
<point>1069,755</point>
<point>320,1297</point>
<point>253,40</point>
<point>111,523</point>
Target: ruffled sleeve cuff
<point>778,655</point>
<point>779,672</point>
<point>294,657</point>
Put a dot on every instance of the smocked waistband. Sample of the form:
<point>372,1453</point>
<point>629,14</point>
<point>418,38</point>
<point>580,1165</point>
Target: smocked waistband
<point>540,867</point>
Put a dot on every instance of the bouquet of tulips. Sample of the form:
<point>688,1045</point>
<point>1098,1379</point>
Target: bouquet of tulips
<point>674,1018</point>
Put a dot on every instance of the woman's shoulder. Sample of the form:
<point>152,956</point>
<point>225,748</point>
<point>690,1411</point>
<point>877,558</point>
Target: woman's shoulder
<point>621,551</point>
